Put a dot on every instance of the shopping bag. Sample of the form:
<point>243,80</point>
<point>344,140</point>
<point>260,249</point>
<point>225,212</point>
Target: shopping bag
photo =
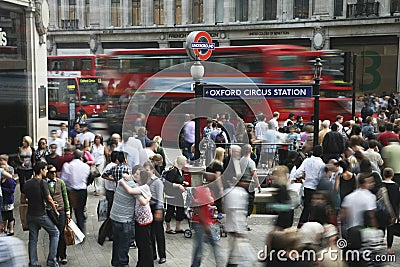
<point>102,208</point>
<point>23,211</point>
<point>104,231</point>
<point>78,235</point>
<point>69,236</point>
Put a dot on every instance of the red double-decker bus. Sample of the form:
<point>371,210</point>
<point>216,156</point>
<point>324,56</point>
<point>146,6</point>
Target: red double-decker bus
<point>86,92</point>
<point>80,65</point>
<point>265,64</point>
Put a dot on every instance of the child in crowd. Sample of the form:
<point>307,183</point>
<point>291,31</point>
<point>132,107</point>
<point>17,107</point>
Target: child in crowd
<point>8,185</point>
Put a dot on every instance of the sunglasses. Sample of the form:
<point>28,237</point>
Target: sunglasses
<point>52,171</point>
<point>42,143</point>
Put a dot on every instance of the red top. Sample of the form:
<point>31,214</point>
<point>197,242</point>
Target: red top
<point>207,212</point>
<point>385,137</point>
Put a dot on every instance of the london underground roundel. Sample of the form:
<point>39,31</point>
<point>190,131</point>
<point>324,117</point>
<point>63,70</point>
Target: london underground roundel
<point>199,45</point>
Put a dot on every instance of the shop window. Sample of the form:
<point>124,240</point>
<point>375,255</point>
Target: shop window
<point>136,7</point>
<point>197,11</point>
<point>178,12</point>
<point>159,12</point>
<point>87,13</point>
<point>269,11</point>
<point>301,9</point>
<point>242,10</point>
<point>116,13</point>
<point>219,11</point>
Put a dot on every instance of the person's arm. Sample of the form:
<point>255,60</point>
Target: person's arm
<point>257,182</point>
<point>106,155</point>
<point>65,199</point>
<point>107,175</point>
<point>23,199</point>
<point>337,182</point>
<point>130,190</point>
<point>5,174</point>
<point>52,204</point>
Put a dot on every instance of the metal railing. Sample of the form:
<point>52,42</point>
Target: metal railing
<point>363,10</point>
<point>69,24</point>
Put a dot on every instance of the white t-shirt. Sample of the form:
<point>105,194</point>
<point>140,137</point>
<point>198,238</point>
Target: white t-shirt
<point>357,203</point>
<point>63,135</point>
<point>85,136</point>
<point>144,155</point>
<point>235,206</point>
<point>109,185</point>
<point>261,129</point>
<point>60,143</point>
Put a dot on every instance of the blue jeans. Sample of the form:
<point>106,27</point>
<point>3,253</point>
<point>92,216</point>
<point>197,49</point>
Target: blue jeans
<point>122,233</point>
<point>1,205</point>
<point>34,224</point>
<point>199,238</point>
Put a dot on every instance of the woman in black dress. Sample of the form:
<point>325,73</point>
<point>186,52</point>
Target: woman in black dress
<point>346,182</point>
<point>394,197</point>
<point>216,167</point>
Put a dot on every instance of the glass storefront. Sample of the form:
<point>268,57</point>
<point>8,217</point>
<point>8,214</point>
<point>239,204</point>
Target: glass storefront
<point>13,77</point>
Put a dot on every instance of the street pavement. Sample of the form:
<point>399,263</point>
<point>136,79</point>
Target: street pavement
<point>179,248</point>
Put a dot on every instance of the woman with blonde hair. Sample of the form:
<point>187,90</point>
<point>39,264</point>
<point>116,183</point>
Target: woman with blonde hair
<point>159,149</point>
<point>26,160</point>
<point>216,168</point>
<point>174,186</point>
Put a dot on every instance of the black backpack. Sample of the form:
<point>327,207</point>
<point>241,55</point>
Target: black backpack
<point>220,138</point>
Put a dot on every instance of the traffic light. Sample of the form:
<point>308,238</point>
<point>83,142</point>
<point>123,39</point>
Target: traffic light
<point>345,69</point>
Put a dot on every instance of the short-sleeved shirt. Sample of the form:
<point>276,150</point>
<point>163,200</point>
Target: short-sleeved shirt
<point>358,203</point>
<point>247,166</point>
<point>32,191</point>
<point>123,208</point>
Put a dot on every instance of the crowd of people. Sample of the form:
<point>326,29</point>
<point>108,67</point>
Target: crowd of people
<point>349,186</point>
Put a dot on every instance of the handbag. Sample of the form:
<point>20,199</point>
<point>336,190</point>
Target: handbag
<point>23,211</point>
<point>49,210</point>
<point>102,208</point>
<point>94,173</point>
<point>69,236</point>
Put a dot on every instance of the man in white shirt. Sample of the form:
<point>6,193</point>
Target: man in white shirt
<point>146,153</point>
<point>57,141</point>
<point>261,127</point>
<point>75,175</point>
<point>85,138</point>
<point>274,121</point>
<point>63,132</point>
<point>313,168</point>
<point>357,203</point>
<point>373,153</point>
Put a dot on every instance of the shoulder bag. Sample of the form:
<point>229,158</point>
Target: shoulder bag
<point>49,210</point>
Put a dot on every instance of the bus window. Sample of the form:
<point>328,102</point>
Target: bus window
<point>89,90</point>
<point>86,64</point>
<point>72,64</point>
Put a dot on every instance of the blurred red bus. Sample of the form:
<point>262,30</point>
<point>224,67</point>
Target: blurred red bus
<point>264,64</point>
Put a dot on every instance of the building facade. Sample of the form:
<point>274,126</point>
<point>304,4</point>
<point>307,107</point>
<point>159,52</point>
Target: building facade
<point>369,28</point>
<point>23,76</point>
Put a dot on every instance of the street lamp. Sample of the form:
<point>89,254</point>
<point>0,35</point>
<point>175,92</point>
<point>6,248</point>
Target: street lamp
<point>197,72</point>
<point>317,79</point>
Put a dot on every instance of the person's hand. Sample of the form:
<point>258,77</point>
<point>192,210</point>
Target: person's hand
<point>259,189</point>
<point>207,230</point>
<point>126,176</point>
<point>68,216</point>
<point>158,215</point>
<point>185,183</point>
<point>181,187</point>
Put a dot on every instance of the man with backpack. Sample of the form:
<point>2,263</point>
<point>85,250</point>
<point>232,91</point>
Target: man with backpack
<point>219,136</point>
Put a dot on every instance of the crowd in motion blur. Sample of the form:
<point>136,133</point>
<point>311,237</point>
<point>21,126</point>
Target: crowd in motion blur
<point>347,188</point>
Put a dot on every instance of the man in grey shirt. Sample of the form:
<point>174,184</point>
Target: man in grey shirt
<point>157,209</point>
<point>122,216</point>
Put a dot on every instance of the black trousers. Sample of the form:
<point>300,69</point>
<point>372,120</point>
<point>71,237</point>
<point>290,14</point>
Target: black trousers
<point>110,199</point>
<point>305,214</point>
<point>81,196</point>
<point>143,242</point>
<point>157,236</point>
<point>23,176</point>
